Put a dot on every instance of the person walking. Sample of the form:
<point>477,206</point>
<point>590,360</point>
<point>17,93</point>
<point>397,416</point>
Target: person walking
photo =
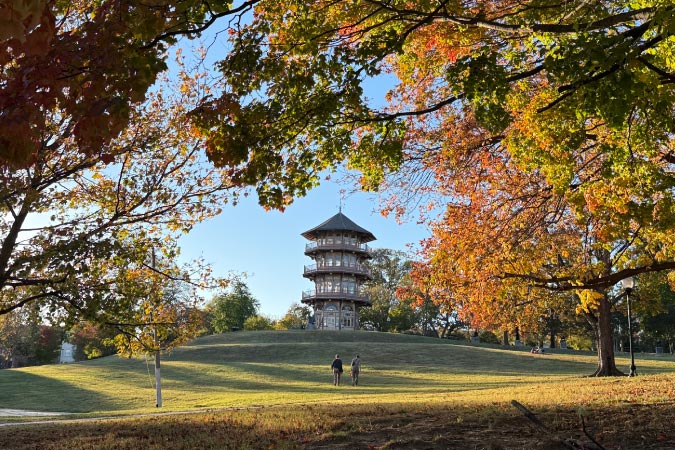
<point>337,370</point>
<point>356,368</point>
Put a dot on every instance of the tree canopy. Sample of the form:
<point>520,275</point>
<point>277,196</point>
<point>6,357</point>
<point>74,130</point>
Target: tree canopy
<point>523,74</point>
<point>78,229</point>
<point>296,317</point>
<point>230,310</point>
<point>388,311</point>
<point>542,129</point>
<point>84,64</point>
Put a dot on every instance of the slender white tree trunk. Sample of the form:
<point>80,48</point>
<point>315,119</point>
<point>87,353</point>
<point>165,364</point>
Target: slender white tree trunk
<point>158,380</point>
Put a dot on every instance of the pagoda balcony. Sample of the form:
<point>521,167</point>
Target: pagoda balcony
<point>356,269</point>
<point>314,246</point>
<point>313,295</point>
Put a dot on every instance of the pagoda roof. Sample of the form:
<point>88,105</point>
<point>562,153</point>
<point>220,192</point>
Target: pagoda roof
<point>339,222</point>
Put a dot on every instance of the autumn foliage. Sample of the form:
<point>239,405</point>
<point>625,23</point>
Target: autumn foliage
<point>534,135</point>
<point>82,65</point>
<point>541,131</point>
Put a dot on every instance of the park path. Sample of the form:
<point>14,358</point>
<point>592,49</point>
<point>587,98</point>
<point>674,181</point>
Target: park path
<point>24,413</point>
<point>4,412</point>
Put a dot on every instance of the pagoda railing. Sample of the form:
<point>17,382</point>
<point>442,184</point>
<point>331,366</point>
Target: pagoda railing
<point>337,245</point>
<point>337,294</point>
<point>358,269</point>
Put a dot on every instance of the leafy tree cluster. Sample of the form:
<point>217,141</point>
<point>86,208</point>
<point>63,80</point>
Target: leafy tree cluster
<point>99,165</point>
<point>237,309</point>
<point>91,340</point>
<point>296,317</point>
<point>653,314</point>
<point>26,341</point>
<point>229,311</point>
<point>395,305</point>
<point>79,229</point>
<point>80,67</point>
<point>542,130</point>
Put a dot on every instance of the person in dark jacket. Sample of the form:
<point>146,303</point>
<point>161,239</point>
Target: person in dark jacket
<point>337,370</point>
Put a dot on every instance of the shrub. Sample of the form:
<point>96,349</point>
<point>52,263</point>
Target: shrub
<point>258,323</point>
<point>579,342</point>
<point>488,337</point>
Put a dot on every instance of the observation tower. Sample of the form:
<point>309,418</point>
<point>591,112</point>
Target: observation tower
<point>339,250</point>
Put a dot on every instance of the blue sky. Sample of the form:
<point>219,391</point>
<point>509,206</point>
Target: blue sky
<point>267,244</point>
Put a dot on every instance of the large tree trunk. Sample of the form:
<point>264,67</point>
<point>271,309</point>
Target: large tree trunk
<point>603,327</point>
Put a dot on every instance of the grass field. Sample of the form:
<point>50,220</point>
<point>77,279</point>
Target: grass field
<point>274,389</point>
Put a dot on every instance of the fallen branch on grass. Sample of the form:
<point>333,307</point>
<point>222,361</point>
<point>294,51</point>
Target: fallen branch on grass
<point>569,443</point>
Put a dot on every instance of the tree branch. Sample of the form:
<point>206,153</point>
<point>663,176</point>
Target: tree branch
<point>203,26</point>
<point>564,284</point>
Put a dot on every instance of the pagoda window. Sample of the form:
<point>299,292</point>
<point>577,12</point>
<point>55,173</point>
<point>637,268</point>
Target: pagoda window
<point>347,316</point>
<point>337,281</point>
<point>333,259</point>
<point>330,317</point>
<point>336,259</point>
<point>349,285</point>
<point>330,283</point>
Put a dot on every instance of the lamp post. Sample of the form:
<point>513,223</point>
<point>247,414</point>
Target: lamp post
<point>628,284</point>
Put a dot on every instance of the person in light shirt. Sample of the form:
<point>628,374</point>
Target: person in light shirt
<point>356,368</point>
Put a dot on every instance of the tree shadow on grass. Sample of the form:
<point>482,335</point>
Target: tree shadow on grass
<point>251,378</point>
<point>25,390</point>
<point>453,358</point>
<point>385,351</point>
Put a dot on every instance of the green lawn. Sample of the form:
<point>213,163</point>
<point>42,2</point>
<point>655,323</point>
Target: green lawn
<point>271,368</point>
<point>273,390</point>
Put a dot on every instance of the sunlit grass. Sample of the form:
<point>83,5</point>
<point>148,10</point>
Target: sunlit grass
<point>270,368</point>
<point>274,390</point>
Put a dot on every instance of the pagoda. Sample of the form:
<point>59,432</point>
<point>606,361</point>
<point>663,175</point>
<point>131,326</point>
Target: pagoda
<point>339,250</point>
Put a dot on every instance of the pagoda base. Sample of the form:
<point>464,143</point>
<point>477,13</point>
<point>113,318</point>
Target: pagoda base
<point>336,315</point>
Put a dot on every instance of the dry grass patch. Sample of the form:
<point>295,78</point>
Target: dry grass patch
<point>410,426</point>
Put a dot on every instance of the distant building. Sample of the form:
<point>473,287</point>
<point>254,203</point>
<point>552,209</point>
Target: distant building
<point>339,251</point>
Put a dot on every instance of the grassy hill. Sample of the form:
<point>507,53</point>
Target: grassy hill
<point>272,368</point>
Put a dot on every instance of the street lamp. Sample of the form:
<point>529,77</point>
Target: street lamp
<point>628,284</point>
